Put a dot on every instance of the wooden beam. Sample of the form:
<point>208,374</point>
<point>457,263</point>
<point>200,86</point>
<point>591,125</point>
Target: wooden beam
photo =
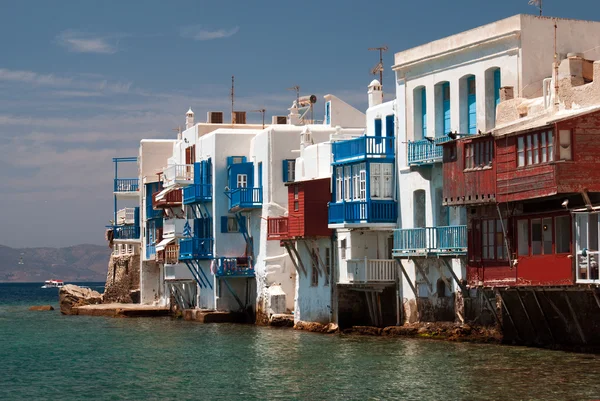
<point>492,309</point>
<point>508,314</point>
<point>424,276</point>
<point>462,288</point>
<point>537,301</point>
<point>444,279</point>
<point>596,297</point>
<point>398,300</point>
<point>294,254</point>
<point>310,252</point>
<point>412,287</point>
<point>577,325</point>
<point>526,313</point>
<point>558,312</point>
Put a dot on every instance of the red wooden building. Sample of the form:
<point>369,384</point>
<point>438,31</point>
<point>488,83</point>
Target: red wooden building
<point>307,212</point>
<point>521,185</point>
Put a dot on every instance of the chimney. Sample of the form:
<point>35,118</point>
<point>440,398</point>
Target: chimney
<point>572,69</point>
<point>189,119</point>
<point>507,93</point>
<point>375,93</point>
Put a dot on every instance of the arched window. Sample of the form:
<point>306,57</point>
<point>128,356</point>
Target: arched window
<point>420,112</point>
<point>468,104</point>
<point>492,95</point>
<point>440,288</point>
<point>442,109</point>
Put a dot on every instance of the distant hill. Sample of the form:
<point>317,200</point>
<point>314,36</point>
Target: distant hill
<point>76,263</point>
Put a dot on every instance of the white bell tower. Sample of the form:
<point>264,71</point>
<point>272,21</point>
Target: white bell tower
<point>189,119</point>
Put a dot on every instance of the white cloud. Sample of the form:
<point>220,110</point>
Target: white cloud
<point>197,32</point>
<point>80,42</point>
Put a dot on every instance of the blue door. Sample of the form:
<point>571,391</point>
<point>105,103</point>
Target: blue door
<point>472,106</point>
<point>446,107</point>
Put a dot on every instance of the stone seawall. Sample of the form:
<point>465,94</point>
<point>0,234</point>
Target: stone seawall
<point>123,279</point>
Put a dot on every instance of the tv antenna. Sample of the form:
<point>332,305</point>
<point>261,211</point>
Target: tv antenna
<point>297,89</point>
<point>232,94</point>
<point>261,111</point>
<point>379,67</point>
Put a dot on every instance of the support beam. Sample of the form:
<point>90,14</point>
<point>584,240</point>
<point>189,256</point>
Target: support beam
<point>310,252</point>
<point>557,311</point>
<point>574,315</point>
<point>320,260</point>
<point>242,307</point>
<point>491,308</point>
<point>204,274</point>
<point>537,301</point>
<point>412,287</point>
<point>499,293</point>
<point>370,307</point>
<point>377,296</point>
<point>398,300</point>
<point>429,286</point>
<point>195,275</point>
<point>444,279</point>
<point>460,285</point>
<point>595,293</point>
<point>296,260</point>
<point>526,312</point>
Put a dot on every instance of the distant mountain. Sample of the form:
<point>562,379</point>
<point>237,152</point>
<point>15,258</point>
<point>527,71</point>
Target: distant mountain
<point>76,263</point>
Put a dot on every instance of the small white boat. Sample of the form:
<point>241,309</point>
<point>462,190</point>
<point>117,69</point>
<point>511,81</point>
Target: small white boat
<point>53,284</point>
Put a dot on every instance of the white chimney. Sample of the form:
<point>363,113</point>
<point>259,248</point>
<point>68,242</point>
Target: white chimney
<point>375,93</point>
<point>189,119</point>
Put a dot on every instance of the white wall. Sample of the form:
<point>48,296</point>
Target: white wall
<point>344,115</point>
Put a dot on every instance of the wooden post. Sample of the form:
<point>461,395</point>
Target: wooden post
<point>537,301</point>
<point>577,325</point>
<point>493,310</point>
<point>462,288</point>
<point>429,286</point>
<point>508,314</point>
<point>526,313</point>
<point>412,287</point>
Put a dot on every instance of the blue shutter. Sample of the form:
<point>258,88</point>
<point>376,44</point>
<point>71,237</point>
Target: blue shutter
<point>284,168</point>
<point>389,126</point>
<point>378,130</point>
<point>223,224</point>
<point>446,107</point>
<point>328,113</point>
<point>424,112</point>
<point>197,172</point>
<point>260,174</point>
<point>472,105</point>
<point>497,84</point>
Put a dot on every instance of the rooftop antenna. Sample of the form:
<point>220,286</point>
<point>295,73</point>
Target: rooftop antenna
<point>262,111</point>
<point>297,89</point>
<point>232,99</point>
<point>379,67</point>
<point>537,3</point>
<point>178,130</point>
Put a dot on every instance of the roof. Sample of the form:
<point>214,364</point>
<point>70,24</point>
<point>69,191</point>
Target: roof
<point>541,120</point>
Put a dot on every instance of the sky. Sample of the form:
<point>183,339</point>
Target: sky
<point>83,81</point>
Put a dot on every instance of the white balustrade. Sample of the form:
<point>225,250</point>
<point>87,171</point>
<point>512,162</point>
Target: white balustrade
<point>368,271</point>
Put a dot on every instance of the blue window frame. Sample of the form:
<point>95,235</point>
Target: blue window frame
<point>288,169</point>
<point>424,111</point>
<point>328,113</point>
<point>497,85</point>
<point>378,130</point>
<point>472,105</point>
<point>446,107</point>
<point>260,182</point>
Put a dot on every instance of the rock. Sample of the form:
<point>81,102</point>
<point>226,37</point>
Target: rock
<point>331,328</point>
<point>72,295</point>
<point>315,327</point>
<point>281,320</point>
<point>41,307</point>
<point>367,330</point>
<point>423,330</point>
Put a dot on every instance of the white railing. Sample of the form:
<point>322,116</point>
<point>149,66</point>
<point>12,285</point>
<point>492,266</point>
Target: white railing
<point>123,250</point>
<point>174,227</point>
<point>178,174</point>
<point>368,271</point>
<point>126,216</point>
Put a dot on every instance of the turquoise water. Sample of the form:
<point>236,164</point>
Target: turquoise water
<point>45,355</point>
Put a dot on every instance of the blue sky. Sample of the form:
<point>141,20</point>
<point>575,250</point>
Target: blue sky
<point>84,81</point>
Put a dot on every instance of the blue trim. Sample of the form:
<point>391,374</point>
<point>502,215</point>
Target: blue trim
<point>446,109</point>
<point>362,148</point>
<point>471,106</point>
<point>442,240</point>
<point>424,112</point>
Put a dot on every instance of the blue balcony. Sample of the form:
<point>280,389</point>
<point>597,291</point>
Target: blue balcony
<point>362,148</point>
<point>195,248</point>
<point>125,185</point>
<point>197,193</point>
<point>245,198</point>
<point>235,267</point>
<point>150,251</point>
<point>446,240</point>
<point>373,211</point>
<point>126,232</point>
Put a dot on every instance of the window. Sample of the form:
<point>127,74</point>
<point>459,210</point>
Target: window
<point>328,113</point>
<point>343,249</point>
<point>327,265</point>
<point>478,154</point>
<point>356,181</point>
<point>381,180</point>
<point>446,107</point>
<point>339,180</point>
<point>535,148</point>
<point>229,224</point>
<point>242,181</point>
<point>564,139</point>
<point>347,189</point>
<point>492,240</point>
<point>314,277</point>
<point>289,170</point>
<point>543,235</point>
<point>296,198</point>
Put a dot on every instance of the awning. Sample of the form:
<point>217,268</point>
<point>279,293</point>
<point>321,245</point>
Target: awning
<point>162,244</point>
<point>163,193</point>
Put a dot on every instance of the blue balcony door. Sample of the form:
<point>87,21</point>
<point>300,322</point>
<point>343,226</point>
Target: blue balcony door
<point>472,105</point>
<point>378,131</point>
<point>446,107</point>
<point>236,173</point>
<point>260,175</point>
<point>390,132</point>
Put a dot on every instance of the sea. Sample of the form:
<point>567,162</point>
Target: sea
<point>48,356</point>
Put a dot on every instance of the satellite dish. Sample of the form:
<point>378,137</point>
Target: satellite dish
<point>313,99</point>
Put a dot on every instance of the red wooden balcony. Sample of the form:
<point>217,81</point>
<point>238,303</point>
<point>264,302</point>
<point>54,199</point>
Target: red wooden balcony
<point>277,228</point>
<point>170,199</point>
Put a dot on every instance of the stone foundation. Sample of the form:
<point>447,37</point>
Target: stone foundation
<point>123,279</point>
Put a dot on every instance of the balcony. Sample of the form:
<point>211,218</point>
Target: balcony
<point>440,241</point>
<point>245,198</point>
<point>368,271</point>
<point>126,186</point>
<point>126,232</point>
<point>426,151</point>
<point>174,227</point>
<point>126,216</point>
<point>168,199</point>
<point>179,175</point>
<point>356,212</point>
<point>235,267</point>
<point>277,228</point>
<point>195,248</point>
<point>172,254</point>
<point>197,193</point>
<point>362,148</point>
